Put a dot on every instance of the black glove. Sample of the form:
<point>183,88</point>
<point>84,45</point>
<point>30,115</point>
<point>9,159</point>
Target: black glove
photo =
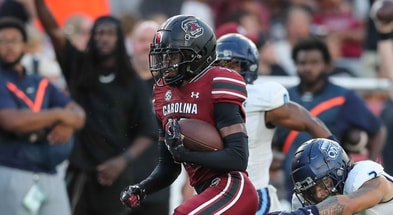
<point>132,196</point>
<point>173,140</point>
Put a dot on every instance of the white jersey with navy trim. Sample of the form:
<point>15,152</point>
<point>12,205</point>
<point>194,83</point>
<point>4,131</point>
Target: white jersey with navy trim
<point>361,172</point>
<point>261,98</point>
<point>364,171</point>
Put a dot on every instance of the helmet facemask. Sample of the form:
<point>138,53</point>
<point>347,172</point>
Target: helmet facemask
<point>165,61</point>
<point>310,192</point>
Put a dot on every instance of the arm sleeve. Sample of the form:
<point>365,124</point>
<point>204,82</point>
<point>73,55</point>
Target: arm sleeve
<point>67,58</point>
<point>234,156</point>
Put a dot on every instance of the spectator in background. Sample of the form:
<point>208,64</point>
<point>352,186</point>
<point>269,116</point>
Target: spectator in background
<point>297,27</point>
<point>141,38</point>
<point>276,11</point>
<point>77,28</point>
<point>148,9</point>
<point>157,203</point>
<point>16,9</point>
<point>119,125</point>
<point>369,60</point>
<point>267,59</point>
<point>39,60</point>
<point>384,32</point>
<point>310,5</point>
<point>37,122</point>
<point>337,19</point>
<point>128,22</point>
<point>199,8</point>
<point>231,10</point>
<point>339,108</point>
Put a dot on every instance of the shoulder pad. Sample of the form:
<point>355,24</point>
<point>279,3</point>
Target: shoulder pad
<point>360,173</point>
<point>228,86</point>
<point>266,96</point>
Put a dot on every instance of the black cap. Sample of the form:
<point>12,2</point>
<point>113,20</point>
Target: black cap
<point>14,9</point>
<point>11,22</point>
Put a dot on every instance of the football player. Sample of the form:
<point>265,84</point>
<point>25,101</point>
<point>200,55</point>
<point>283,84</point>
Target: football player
<point>188,86</point>
<point>267,106</point>
<point>328,182</point>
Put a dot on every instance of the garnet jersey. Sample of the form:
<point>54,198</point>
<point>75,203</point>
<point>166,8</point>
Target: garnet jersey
<point>196,100</point>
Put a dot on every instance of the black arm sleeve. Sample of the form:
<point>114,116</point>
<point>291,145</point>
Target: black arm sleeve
<point>164,174</point>
<point>235,154</point>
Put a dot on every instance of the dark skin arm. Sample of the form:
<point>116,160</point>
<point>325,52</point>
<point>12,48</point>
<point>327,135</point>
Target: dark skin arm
<point>50,25</point>
<point>293,116</point>
<point>368,195</point>
<point>62,132</point>
<point>376,144</point>
<point>25,120</point>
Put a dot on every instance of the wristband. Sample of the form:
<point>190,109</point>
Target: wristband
<point>384,36</point>
<point>127,155</point>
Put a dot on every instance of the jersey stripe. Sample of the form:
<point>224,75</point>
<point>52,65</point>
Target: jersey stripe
<point>229,80</point>
<point>234,200</point>
<point>229,93</point>
<point>35,105</point>
<point>233,185</point>
<point>223,85</point>
<point>229,86</point>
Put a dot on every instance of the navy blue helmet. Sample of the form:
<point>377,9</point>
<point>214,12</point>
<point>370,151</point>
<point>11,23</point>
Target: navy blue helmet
<point>186,37</point>
<point>236,47</point>
<point>319,161</point>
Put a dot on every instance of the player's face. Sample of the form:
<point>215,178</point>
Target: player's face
<point>320,191</point>
<point>310,66</point>
<point>105,38</point>
<point>170,61</point>
<point>11,46</point>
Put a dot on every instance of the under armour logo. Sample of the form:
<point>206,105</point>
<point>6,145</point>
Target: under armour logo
<point>194,94</point>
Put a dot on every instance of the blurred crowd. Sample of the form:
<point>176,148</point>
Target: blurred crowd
<point>275,26</point>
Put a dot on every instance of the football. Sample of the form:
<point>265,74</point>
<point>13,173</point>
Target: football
<point>198,135</point>
<point>383,10</point>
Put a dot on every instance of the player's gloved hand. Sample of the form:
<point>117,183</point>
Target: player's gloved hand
<point>173,140</point>
<point>132,196</point>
